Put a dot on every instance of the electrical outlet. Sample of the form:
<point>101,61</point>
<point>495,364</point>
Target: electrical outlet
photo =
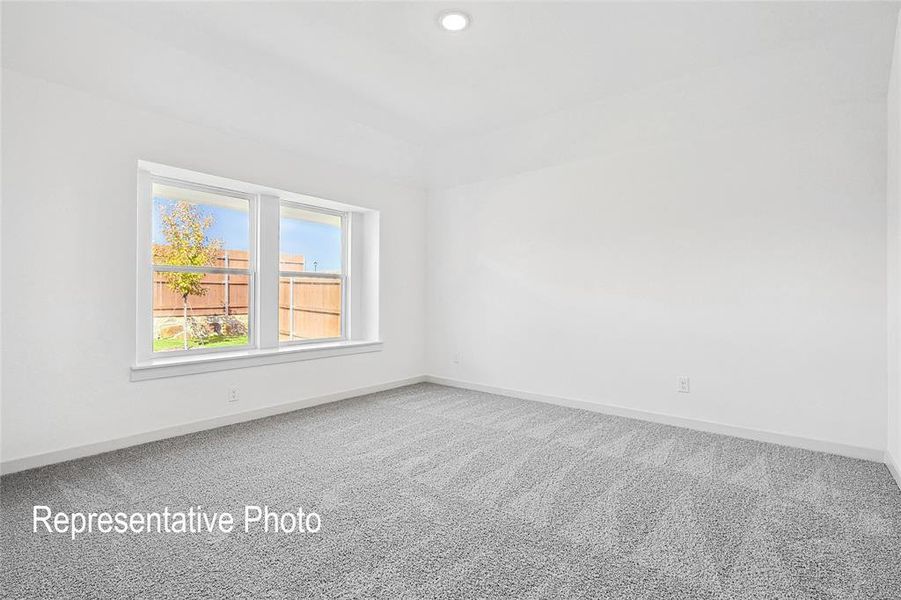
<point>458,358</point>
<point>684,385</point>
<point>233,395</point>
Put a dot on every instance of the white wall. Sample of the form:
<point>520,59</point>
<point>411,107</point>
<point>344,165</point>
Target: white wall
<point>748,254</point>
<point>728,225</point>
<point>894,255</point>
<point>69,214</point>
<point>1,263</point>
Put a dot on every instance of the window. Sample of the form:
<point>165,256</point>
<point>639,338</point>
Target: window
<point>311,274</point>
<point>202,266</point>
<point>229,270</point>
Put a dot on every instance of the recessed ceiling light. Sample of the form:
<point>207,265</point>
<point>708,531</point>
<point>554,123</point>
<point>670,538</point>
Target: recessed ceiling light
<point>454,20</point>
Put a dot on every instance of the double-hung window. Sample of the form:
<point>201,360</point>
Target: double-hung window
<point>203,268</point>
<point>234,274</point>
<point>312,284</point>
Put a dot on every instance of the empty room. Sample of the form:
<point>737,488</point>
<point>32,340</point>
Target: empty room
<point>426,300</point>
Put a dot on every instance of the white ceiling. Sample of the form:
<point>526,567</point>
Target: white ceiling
<point>401,81</point>
<point>517,61</point>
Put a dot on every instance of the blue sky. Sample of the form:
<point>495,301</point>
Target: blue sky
<point>315,241</point>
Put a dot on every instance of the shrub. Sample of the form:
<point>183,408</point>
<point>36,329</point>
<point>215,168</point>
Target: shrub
<point>200,329</point>
<point>232,326</point>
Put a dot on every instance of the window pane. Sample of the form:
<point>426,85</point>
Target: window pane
<point>309,241</point>
<point>200,229</point>
<point>309,308</point>
<point>199,310</point>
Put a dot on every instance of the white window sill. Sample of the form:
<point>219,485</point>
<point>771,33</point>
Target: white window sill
<point>220,361</point>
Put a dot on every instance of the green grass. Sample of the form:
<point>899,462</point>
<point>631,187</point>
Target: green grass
<point>214,341</point>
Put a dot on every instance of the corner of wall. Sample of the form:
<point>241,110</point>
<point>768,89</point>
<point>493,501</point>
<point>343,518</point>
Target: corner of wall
<point>893,262</point>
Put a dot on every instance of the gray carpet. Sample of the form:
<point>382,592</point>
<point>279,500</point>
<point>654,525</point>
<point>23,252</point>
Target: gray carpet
<point>433,492</point>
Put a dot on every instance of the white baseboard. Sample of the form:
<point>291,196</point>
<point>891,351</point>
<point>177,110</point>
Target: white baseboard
<point>893,468</point>
<point>782,439</point>
<point>57,456</point>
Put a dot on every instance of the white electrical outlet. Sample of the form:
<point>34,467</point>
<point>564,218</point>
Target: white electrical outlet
<point>458,358</point>
<point>684,385</point>
<point>233,395</point>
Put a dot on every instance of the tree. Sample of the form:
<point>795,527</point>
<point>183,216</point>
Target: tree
<point>184,229</point>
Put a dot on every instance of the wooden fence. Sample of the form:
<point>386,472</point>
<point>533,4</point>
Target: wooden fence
<point>309,307</point>
<point>225,295</point>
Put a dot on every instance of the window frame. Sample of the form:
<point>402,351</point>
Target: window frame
<point>343,277</point>
<point>359,299</point>
<point>249,272</point>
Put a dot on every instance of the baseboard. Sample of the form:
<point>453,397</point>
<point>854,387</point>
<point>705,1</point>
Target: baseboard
<point>893,468</point>
<point>871,454</point>
<point>57,456</point>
